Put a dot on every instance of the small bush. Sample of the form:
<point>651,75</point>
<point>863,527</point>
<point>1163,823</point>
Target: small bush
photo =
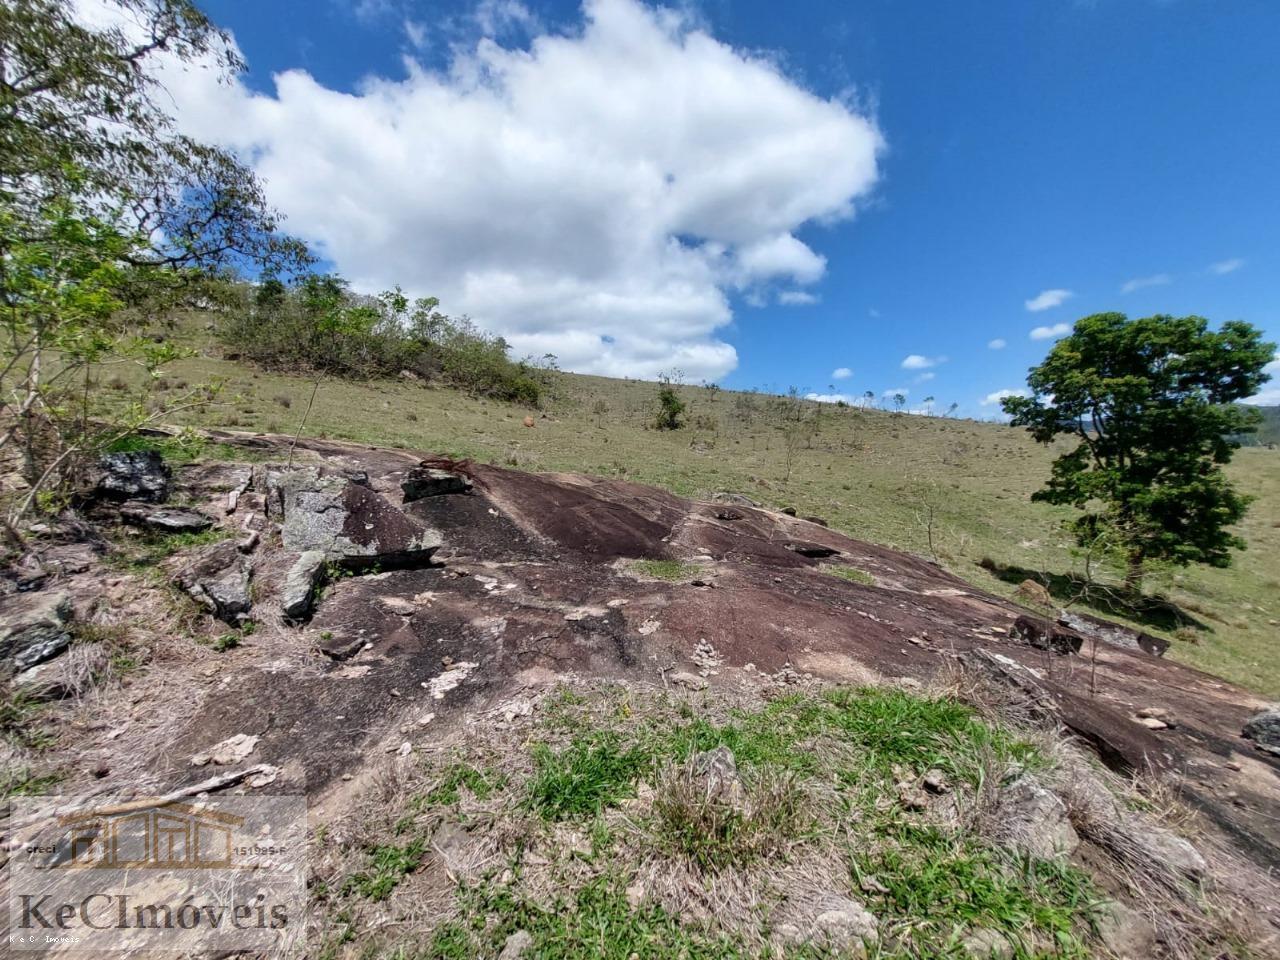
<point>670,408</point>
<point>283,400</point>
<point>672,570</point>
<point>712,831</point>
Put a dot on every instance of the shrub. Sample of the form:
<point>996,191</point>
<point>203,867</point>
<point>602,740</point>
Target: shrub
<point>670,408</point>
<point>319,325</point>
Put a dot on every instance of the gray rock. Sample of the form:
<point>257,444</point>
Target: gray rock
<point>218,579</point>
<point>1126,932</point>
<point>1138,839</point>
<point>691,681</point>
<point>516,945</point>
<point>45,681</point>
<point>1033,820</point>
<point>138,475</point>
<point>719,769</point>
<point>38,622</point>
<point>836,922</point>
<point>298,595</point>
<point>352,525</point>
<point>1263,728</point>
<point>983,944</point>
<point>165,519</point>
<point>40,652</point>
<point>423,482</point>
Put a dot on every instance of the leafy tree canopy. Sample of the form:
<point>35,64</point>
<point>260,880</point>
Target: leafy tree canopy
<point>1154,404</point>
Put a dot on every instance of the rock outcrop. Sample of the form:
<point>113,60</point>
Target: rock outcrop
<point>34,627</point>
<point>218,579</point>
<point>354,527</point>
<point>136,475</point>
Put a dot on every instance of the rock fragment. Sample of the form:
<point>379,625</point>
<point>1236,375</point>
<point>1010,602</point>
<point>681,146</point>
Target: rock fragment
<point>300,584</point>
<point>422,482</point>
<point>34,627</point>
<point>135,475</point>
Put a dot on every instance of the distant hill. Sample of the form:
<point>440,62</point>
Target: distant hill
<point>1268,430</point>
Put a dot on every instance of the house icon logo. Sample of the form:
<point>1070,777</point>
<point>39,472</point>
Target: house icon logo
<point>175,836</point>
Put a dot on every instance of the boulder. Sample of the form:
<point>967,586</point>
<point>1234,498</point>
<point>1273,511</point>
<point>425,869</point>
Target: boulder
<point>1125,932</point>
<point>34,627</point>
<point>1263,728</point>
<point>718,769</point>
<point>516,946</point>
<point>1113,633</point>
<point>165,519</point>
<point>421,482</point>
<point>218,579</point>
<point>352,525</point>
<point>136,475</point>
<point>298,595</point>
<point>983,944</point>
<point>1034,593</point>
<point>829,920</point>
<point>1044,635</point>
<point>1033,820</point>
<point>69,675</point>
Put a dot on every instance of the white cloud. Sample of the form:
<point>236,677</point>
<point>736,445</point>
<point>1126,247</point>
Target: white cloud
<point>873,313</point>
<point>895,390</point>
<point>797,298</point>
<point>831,398</point>
<point>999,343</point>
<point>1046,299</point>
<point>916,362</point>
<point>1049,333</point>
<point>925,377</point>
<point>1226,266</point>
<point>841,373</point>
<point>416,32</point>
<point>1271,396</point>
<point>1138,283</point>
<point>596,193</point>
<point>993,399</point>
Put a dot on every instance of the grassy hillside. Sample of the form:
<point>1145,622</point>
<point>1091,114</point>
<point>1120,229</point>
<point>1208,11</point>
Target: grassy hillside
<point>872,474</point>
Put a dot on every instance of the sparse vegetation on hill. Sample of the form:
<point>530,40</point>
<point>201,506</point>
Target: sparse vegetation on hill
<point>317,324</point>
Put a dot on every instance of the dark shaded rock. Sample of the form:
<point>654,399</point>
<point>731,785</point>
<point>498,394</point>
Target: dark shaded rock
<point>815,550</point>
<point>218,579</point>
<point>789,511</point>
<point>818,520</point>
<point>1113,633</point>
<point>42,651</point>
<point>298,595</point>
<point>137,475</point>
<point>353,526</point>
<point>165,519</point>
<point>1044,635</point>
<point>728,515</point>
<point>33,627</point>
<point>423,482</point>
<point>1263,728</point>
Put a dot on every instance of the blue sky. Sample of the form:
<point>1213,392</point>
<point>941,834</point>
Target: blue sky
<point>1124,151</point>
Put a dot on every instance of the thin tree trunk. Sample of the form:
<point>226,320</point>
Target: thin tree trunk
<point>1133,575</point>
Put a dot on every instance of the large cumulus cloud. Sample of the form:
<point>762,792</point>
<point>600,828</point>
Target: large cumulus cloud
<point>597,194</point>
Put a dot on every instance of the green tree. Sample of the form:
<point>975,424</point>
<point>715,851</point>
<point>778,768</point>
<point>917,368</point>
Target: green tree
<point>1154,405</point>
<point>109,220</point>
<point>670,408</point>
